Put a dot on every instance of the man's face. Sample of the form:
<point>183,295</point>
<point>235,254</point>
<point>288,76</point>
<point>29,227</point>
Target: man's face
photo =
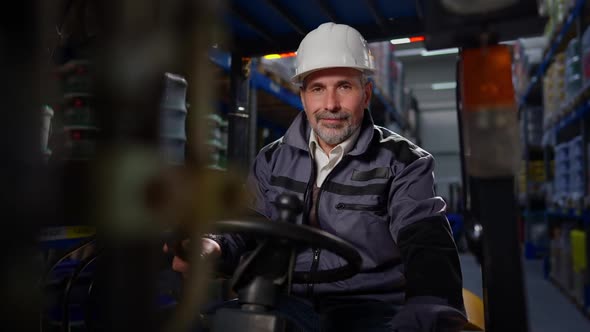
<point>334,100</point>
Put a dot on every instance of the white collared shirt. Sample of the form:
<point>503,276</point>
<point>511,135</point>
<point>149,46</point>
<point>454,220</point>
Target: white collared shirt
<point>326,163</point>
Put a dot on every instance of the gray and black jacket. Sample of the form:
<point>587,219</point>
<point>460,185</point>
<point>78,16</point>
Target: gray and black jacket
<point>379,198</point>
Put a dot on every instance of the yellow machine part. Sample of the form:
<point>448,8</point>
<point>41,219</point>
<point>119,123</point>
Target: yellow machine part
<point>475,314</point>
<point>578,240</point>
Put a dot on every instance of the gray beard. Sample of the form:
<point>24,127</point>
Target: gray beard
<point>334,136</point>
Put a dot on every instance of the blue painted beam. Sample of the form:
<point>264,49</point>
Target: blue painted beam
<point>220,58</point>
<point>579,113</point>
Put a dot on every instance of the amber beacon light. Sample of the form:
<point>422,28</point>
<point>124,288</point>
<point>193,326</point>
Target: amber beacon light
<point>489,111</point>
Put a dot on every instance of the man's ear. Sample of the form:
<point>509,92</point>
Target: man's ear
<point>368,93</point>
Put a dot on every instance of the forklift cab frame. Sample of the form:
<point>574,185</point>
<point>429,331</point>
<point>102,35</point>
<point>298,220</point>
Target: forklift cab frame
<point>491,199</point>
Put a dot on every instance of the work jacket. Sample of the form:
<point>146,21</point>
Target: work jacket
<point>379,198</point>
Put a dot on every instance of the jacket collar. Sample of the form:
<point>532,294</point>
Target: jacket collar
<point>298,134</point>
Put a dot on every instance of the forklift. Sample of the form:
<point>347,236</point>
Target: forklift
<point>128,185</point>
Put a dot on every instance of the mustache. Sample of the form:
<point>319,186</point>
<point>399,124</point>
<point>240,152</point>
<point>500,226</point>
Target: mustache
<point>331,115</point>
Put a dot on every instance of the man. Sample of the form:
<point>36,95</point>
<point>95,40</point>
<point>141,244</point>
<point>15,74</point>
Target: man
<point>366,185</point>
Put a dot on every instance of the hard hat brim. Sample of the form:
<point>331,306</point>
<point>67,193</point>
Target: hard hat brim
<point>299,78</point>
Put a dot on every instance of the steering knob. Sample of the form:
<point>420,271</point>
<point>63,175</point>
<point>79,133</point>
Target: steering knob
<point>289,207</point>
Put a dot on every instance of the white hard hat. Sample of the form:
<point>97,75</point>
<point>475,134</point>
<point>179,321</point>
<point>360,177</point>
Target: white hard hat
<point>332,45</point>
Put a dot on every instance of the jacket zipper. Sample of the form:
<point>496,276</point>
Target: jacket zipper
<point>316,251</point>
<point>314,267</point>
<point>307,203</point>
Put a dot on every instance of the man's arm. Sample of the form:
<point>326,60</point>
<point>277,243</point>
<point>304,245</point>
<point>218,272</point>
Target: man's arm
<point>234,245</point>
<point>434,300</point>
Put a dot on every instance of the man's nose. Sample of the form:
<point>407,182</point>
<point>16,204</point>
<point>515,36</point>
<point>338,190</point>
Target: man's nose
<point>332,101</point>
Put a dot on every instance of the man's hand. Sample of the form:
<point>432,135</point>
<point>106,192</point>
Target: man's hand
<point>209,250</point>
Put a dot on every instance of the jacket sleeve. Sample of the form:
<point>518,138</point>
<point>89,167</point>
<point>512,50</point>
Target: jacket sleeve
<point>233,246</point>
<point>434,300</point>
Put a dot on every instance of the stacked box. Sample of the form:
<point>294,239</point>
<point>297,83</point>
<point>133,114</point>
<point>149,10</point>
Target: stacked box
<point>282,67</point>
<point>78,119</point>
<point>556,11</point>
<point>279,70</point>
<point>399,91</point>
<point>559,87</point>
<point>389,76</point>
<point>520,69</point>
<point>173,113</point>
<point>536,178</point>
<point>536,235</point>
<point>217,141</point>
<point>560,10</point>
<point>382,54</point>
<point>561,179</point>
<point>561,256</point>
<point>517,72</point>
<point>579,266</point>
<point>554,91</point>
<point>573,71</point>
<point>555,245</point>
<point>576,170</point>
<point>567,281</point>
<point>569,182</point>
<point>586,57</point>
<point>533,132</point>
<point>543,7</point>
<point>396,76</point>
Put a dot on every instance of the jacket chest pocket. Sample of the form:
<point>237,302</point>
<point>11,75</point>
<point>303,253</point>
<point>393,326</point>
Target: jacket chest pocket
<point>379,208</point>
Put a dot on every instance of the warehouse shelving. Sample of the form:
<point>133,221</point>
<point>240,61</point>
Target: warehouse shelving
<point>557,42</point>
<point>564,210</point>
<point>259,80</point>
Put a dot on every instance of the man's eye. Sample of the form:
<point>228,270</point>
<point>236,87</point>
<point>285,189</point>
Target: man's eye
<point>316,89</point>
<point>345,87</point>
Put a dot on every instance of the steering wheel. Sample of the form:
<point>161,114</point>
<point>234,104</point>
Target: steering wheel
<point>298,237</point>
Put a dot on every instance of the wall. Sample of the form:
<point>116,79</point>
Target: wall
<point>440,136</point>
<point>439,131</point>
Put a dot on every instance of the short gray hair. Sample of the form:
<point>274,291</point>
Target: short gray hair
<point>364,79</point>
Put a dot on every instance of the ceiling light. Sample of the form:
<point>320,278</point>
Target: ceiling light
<point>440,52</point>
<point>279,56</point>
<point>400,41</point>
<point>424,52</point>
<point>272,56</point>
<point>410,52</point>
<point>414,39</point>
<point>444,85</point>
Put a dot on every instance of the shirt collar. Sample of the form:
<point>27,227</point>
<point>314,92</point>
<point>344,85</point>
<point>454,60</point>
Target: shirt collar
<point>346,146</point>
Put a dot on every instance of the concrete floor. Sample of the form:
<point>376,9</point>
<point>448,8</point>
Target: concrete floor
<point>549,310</point>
